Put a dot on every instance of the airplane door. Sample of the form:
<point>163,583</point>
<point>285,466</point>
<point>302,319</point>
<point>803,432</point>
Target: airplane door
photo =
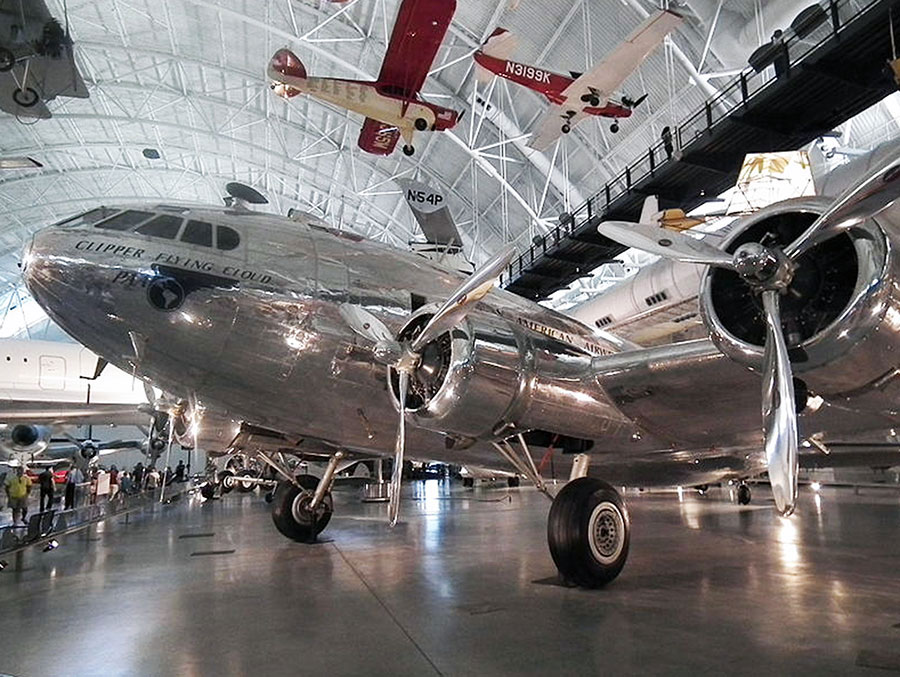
<point>52,373</point>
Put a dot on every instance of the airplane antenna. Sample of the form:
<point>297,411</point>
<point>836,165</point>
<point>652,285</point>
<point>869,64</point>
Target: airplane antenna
<point>240,195</point>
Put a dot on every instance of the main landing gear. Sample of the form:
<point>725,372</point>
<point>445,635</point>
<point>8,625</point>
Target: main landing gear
<point>408,150</point>
<point>614,127</point>
<point>302,507</point>
<point>295,512</point>
<point>588,532</point>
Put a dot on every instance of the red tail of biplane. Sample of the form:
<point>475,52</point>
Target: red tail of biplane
<point>285,64</point>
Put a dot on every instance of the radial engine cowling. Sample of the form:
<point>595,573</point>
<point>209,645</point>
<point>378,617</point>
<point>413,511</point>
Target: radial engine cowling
<point>840,313</point>
<point>23,439</point>
<point>493,376</point>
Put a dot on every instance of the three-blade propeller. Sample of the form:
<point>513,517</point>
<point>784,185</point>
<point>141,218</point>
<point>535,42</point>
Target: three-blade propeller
<point>404,357</point>
<point>769,271</point>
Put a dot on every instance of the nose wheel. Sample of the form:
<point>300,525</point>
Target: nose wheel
<point>744,494</point>
<point>614,128</point>
<point>408,150</point>
<point>588,531</point>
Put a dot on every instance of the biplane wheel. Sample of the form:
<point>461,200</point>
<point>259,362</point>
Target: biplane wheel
<point>408,150</point>
<point>595,101</point>
<point>291,513</point>
<point>421,124</point>
<point>588,531</point>
<point>566,129</point>
<point>7,60</point>
<point>25,97</point>
<point>614,127</point>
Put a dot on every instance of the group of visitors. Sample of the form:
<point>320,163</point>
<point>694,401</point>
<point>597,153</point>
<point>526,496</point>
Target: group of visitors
<point>99,484</point>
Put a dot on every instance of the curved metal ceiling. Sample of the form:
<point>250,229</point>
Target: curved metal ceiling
<point>187,77</point>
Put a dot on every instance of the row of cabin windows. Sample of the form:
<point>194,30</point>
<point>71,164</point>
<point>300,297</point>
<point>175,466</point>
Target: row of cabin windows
<point>658,297</point>
<point>164,226</point>
<point>604,321</point>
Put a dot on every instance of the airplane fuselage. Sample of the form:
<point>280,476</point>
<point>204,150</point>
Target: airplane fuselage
<point>249,320</point>
<point>371,100</point>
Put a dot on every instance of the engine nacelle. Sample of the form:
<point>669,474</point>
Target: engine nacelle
<point>23,439</point>
<point>491,376</point>
<point>840,314</point>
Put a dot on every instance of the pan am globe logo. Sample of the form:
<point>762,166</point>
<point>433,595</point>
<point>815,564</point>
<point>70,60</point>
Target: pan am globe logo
<point>165,293</point>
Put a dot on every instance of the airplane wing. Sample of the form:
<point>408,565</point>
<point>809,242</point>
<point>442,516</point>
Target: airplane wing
<point>417,35</point>
<point>607,75</point>
<point>71,413</point>
<point>377,137</point>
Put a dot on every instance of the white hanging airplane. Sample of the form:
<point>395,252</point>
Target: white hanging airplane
<point>326,338</point>
<point>49,387</point>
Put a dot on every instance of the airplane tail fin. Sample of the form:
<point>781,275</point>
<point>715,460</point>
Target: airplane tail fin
<point>500,45</point>
<point>650,211</point>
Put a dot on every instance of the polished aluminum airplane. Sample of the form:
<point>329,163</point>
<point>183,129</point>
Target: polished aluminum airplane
<point>319,335</point>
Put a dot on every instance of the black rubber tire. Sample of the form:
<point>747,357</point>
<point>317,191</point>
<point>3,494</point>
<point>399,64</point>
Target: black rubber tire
<point>567,532</point>
<point>421,124</point>
<point>566,129</point>
<point>240,485</point>
<point>283,515</point>
<point>7,60</point>
<point>226,488</point>
<point>408,151</point>
<point>269,496</point>
<point>614,128</point>
<point>595,101</point>
<point>468,482</point>
<point>208,491</point>
<point>512,482</point>
<point>26,98</point>
<point>744,495</point>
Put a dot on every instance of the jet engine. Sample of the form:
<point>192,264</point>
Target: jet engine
<point>492,375</point>
<point>840,313</point>
<point>23,439</point>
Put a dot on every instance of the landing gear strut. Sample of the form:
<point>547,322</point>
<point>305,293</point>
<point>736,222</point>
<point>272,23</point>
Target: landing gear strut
<point>588,532</point>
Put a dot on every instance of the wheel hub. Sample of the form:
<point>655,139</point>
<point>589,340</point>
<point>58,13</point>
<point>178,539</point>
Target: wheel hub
<point>606,532</point>
<point>301,511</point>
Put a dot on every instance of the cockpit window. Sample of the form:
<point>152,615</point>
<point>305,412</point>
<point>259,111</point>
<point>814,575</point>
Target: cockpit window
<point>227,238</point>
<point>198,232</point>
<point>165,226</point>
<point>125,220</point>
<point>88,218</point>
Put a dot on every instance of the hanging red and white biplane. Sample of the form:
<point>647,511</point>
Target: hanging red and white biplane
<point>391,104</point>
<point>583,94</point>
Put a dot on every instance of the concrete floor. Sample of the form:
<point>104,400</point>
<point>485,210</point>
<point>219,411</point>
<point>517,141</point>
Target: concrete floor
<point>461,587</point>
